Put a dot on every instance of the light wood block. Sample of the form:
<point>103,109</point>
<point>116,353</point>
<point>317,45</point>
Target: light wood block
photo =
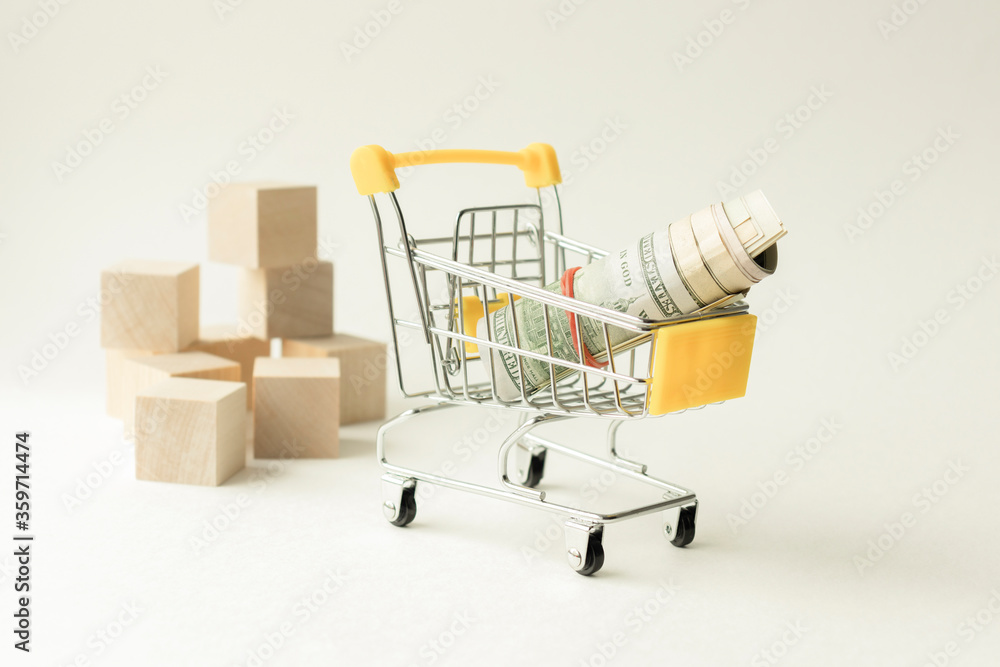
<point>362,372</point>
<point>114,367</point>
<point>288,302</point>
<point>296,408</point>
<point>192,431</point>
<point>262,224</point>
<point>222,340</point>
<point>149,305</point>
<point>146,371</point>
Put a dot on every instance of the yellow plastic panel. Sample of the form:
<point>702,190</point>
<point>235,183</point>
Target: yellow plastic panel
<point>472,309</point>
<point>701,362</point>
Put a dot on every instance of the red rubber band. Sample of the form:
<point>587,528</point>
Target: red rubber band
<point>566,283</point>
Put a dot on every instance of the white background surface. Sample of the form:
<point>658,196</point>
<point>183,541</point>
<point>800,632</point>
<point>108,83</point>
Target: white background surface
<point>733,592</point>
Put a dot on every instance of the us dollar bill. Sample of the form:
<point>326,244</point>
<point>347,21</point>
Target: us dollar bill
<point>641,280</point>
<point>645,279</point>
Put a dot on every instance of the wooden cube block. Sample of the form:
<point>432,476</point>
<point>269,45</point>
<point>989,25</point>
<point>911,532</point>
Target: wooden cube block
<point>149,305</point>
<point>192,431</point>
<point>296,409</point>
<point>114,366</point>
<point>288,302</point>
<point>258,225</point>
<point>362,372</point>
<point>222,340</point>
<point>146,371</point>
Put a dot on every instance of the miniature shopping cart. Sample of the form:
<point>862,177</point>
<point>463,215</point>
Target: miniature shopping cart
<point>492,257</point>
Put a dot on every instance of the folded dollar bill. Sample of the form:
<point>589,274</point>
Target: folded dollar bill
<point>715,253</point>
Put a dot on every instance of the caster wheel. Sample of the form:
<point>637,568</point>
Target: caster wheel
<point>407,508</point>
<point>685,527</point>
<point>595,559</point>
<point>586,550</point>
<point>536,469</point>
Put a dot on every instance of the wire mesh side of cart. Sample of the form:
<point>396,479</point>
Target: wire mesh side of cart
<point>495,255</point>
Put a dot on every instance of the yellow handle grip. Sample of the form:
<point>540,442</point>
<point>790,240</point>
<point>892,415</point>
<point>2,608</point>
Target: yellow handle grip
<point>374,168</point>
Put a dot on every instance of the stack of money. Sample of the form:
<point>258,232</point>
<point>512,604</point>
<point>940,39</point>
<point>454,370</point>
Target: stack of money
<point>695,263</point>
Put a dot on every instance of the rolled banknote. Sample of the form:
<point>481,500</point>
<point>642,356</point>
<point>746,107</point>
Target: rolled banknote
<point>717,252</point>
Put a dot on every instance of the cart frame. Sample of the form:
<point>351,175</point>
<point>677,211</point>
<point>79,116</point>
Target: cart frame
<point>447,288</point>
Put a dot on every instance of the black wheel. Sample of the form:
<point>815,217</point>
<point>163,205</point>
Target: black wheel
<point>407,508</point>
<point>595,555</point>
<point>685,527</point>
<point>536,469</point>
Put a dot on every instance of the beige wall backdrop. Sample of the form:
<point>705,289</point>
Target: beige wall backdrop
<point>870,125</point>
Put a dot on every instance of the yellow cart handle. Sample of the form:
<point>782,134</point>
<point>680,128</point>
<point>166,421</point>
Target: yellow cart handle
<point>374,168</point>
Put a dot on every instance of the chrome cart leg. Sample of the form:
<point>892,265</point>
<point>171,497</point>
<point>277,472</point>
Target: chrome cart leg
<point>584,547</point>
<point>396,421</point>
<point>504,456</point>
<point>399,502</point>
<point>679,524</point>
<point>613,450</point>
